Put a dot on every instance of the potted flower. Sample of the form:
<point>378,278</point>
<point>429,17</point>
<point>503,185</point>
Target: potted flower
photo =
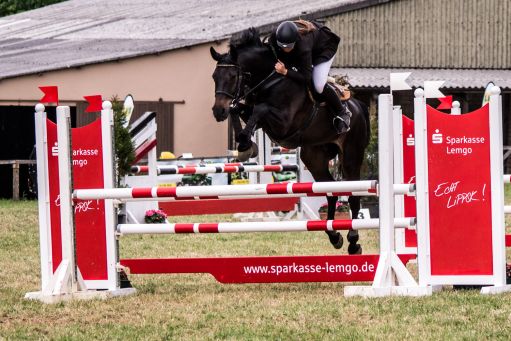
<point>342,210</point>
<point>155,217</point>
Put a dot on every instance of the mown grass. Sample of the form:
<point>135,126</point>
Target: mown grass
<point>196,307</point>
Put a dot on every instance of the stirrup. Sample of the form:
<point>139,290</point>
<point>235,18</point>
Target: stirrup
<point>344,129</point>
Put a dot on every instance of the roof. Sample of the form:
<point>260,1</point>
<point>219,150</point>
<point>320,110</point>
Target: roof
<point>80,32</point>
<point>454,78</point>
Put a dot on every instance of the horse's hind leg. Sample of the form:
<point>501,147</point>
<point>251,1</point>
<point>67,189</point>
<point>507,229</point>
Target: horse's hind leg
<point>352,162</point>
<point>316,159</point>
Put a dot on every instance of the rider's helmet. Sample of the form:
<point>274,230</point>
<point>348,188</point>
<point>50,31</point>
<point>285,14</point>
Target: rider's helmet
<point>287,34</point>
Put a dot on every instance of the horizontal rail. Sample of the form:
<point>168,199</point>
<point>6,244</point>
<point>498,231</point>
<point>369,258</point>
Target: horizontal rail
<point>215,169</point>
<point>258,196</point>
<point>224,190</point>
<point>246,227</point>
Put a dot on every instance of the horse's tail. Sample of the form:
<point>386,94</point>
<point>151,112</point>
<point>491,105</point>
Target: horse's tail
<point>365,112</point>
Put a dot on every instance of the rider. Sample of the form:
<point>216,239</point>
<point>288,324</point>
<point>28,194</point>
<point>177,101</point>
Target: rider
<point>308,52</point>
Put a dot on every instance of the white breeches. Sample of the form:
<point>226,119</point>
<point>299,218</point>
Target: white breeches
<point>320,74</point>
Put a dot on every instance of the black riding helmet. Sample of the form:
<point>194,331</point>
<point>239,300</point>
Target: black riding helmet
<point>287,34</point>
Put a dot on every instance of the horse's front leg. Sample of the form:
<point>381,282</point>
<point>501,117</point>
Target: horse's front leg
<point>237,114</point>
<point>246,148</point>
<point>236,124</point>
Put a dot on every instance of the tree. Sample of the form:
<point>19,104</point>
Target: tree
<point>8,7</point>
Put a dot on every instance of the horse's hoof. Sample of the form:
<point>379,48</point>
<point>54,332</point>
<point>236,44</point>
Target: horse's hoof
<point>352,236</point>
<point>244,155</point>
<point>336,240</point>
<point>354,249</point>
<point>255,150</point>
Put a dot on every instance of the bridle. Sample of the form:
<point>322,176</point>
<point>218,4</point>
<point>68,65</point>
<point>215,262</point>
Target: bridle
<point>241,77</point>
<point>239,82</point>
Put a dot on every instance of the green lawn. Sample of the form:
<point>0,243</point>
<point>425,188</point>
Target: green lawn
<point>196,307</point>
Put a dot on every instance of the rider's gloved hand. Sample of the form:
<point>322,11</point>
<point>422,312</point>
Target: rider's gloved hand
<point>280,68</point>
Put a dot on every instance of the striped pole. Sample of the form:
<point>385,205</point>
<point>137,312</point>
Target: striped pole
<point>258,196</point>
<point>224,190</point>
<point>399,189</point>
<point>249,227</point>
<point>282,150</point>
<point>209,169</point>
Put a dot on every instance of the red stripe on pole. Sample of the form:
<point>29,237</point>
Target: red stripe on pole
<point>372,190</point>
<point>143,169</point>
<point>508,240</point>
<point>208,228</point>
<point>345,224</point>
<point>141,192</point>
<point>183,228</point>
<point>230,169</point>
<point>334,194</point>
<point>305,187</point>
<point>316,225</point>
<point>187,170</point>
<point>272,168</point>
<point>276,188</point>
<point>210,197</point>
<point>163,192</point>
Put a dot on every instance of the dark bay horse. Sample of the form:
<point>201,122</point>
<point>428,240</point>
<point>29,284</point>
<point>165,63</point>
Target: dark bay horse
<point>247,86</point>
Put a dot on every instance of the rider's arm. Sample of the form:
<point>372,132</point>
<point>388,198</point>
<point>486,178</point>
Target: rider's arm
<point>303,72</point>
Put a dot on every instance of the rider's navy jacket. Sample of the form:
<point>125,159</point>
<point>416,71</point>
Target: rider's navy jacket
<point>311,48</point>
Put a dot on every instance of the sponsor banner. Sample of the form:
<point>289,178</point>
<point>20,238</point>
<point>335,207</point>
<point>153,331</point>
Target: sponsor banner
<point>459,193</point>
<point>90,214</point>
<point>281,269</point>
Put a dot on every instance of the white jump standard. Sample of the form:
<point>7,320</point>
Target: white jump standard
<point>389,274</point>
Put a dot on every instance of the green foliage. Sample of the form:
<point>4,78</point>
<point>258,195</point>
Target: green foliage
<point>371,164</point>
<point>124,150</point>
<point>8,7</point>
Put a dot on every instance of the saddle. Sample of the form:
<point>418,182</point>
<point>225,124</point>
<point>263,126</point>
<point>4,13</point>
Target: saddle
<point>342,90</point>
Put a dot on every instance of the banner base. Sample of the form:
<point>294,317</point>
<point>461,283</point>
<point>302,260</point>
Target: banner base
<point>370,291</point>
<point>494,289</point>
<point>81,295</point>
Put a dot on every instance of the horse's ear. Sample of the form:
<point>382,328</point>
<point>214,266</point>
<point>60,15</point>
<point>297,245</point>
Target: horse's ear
<point>233,53</point>
<point>214,54</point>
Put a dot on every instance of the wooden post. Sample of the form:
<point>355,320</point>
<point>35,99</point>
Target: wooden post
<point>16,181</point>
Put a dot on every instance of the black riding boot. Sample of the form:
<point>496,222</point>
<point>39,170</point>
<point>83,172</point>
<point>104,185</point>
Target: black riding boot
<point>341,115</point>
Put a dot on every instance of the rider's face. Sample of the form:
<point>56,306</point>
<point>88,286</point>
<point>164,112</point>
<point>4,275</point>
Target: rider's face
<point>287,49</point>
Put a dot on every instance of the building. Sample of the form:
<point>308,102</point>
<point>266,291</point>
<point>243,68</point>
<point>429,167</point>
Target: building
<point>159,52</point>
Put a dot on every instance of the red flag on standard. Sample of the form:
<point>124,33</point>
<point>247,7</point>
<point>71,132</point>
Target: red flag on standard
<point>51,94</point>
<point>445,103</point>
<point>95,103</point>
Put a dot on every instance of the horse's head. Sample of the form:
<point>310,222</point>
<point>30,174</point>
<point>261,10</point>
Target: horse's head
<point>234,70</point>
<point>227,77</point>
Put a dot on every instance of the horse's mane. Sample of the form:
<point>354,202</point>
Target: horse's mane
<point>247,38</point>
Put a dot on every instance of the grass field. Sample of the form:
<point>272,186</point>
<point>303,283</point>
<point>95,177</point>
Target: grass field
<point>196,307</point>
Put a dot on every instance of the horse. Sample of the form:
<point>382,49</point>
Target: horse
<point>247,86</point>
